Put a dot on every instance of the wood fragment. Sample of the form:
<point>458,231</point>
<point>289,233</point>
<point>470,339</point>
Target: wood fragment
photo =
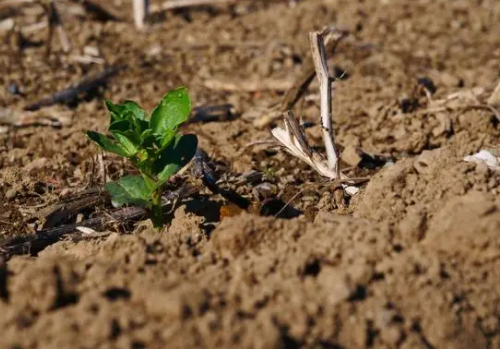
<point>177,4</point>
<point>55,25</point>
<point>62,211</point>
<point>253,85</point>
<point>211,113</point>
<point>292,137</point>
<point>99,10</point>
<point>203,169</point>
<point>47,117</point>
<point>70,93</point>
<point>34,243</point>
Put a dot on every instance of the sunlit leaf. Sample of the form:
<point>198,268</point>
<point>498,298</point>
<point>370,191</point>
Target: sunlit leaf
<point>129,190</point>
<point>135,109</point>
<point>173,110</point>
<point>126,144</point>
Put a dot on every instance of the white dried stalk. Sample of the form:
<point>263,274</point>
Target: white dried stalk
<point>140,12</point>
<point>295,142</point>
<point>175,4</point>
<point>293,137</point>
<point>325,84</point>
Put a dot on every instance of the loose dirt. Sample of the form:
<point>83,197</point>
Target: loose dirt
<point>411,261</point>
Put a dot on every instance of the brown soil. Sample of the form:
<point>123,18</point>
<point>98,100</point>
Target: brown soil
<point>412,261</point>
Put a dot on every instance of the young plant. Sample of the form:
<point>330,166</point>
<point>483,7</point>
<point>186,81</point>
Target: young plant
<point>152,145</point>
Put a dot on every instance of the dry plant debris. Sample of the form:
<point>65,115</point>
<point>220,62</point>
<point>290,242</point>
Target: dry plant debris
<point>486,157</point>
<point>293,138</point>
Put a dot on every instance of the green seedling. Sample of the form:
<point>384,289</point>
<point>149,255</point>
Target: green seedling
<point>152,144</point>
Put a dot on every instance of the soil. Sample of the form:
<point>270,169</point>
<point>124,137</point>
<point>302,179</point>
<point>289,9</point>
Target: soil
<point>411,261</point>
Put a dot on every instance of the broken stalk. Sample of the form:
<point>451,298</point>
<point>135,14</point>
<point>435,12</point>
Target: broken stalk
<point>325,84</point>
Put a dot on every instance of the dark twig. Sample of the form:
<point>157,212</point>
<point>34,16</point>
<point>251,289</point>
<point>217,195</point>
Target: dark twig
<point>61,212</point>
<point>70,93</point>
<point>101,12</point>
<point>212,113</point>
<point>34,243</point>
<point>202,168</point>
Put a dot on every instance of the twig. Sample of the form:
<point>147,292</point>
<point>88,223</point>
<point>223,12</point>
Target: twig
<point>47,117</point>
<point>290,201</point>
<point>34,243</point>
<point>73,91</point>
<point>99,10</point>
<point>175,4</point>
<point>102,168</point>
<point>55,23</point>
<point>248,85</point>
<point>208,113</point>
<point>85,59</point>
<point>202,168</point>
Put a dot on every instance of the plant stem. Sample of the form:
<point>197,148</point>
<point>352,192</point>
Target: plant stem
<point>157,213</point>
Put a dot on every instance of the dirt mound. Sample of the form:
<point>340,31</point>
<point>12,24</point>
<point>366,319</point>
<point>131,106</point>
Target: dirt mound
<point>338,282</point>
<point>409,193</point>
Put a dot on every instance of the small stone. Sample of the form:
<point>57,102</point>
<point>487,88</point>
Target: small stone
<point>350,156</point>
<point>11,193</point>
<point>494,99</point>
<point>482,167</point>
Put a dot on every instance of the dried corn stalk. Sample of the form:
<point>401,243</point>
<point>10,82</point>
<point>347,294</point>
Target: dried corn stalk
<point>293,138</point>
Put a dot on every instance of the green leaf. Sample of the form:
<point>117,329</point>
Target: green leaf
<point>175,156</point>
<point>106,144</point>
<point>120,126</point>
<point>129,190</point>
<point>149,182</point>
<point>135,109</point>
<point>127,115</point>
<point>173,110</point>
<point>147,138</point>
<point>168,136</point>
<point>116,111</point>
<point>126,144</point>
